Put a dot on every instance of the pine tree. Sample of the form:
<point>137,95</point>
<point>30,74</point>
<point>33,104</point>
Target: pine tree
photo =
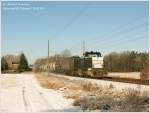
<point>23,65</point>
<point>4,64</point>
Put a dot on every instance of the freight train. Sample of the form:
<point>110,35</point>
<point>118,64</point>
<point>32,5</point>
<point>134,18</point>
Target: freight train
<point>91,64</point>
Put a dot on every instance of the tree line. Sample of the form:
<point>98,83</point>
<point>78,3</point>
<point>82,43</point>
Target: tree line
<point>42,61</point>
<point>127,61</point>
<point>22,64</point>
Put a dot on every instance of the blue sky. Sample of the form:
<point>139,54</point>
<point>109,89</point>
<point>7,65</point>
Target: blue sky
<point>105,27</point>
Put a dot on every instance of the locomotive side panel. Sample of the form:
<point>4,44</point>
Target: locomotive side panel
<point>97,62</point>
<point>75,64</point>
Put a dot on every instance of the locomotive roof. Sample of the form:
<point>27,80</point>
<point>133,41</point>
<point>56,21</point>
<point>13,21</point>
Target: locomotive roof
<point>75,57</point>
<point>91,53</point>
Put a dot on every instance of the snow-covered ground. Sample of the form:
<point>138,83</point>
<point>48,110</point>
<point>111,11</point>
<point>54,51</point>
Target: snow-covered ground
<point>134,75</point>
<point>22,93</point>
<point>116,85</point>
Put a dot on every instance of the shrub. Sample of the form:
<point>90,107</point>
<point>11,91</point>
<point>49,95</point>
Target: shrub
<point>94,103</point>
<point>111,86</point>
<point>132,101</point>
<point>88,86</point>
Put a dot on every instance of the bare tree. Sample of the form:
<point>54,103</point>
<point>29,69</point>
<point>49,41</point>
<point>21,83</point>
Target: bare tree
<point>127,61</point>
<point>66,53</point>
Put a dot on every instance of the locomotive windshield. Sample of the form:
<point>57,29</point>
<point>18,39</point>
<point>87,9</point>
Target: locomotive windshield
<point>92,54</point>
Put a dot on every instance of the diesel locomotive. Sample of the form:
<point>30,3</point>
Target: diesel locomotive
<point>89,65</point>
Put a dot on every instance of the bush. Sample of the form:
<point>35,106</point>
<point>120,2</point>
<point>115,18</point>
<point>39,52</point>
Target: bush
<point>94,102</point>
<point>88,86</point>
<point>111,86</point>
<point>132,101</point>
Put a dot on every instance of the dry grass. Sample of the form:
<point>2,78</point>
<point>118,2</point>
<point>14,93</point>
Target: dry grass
<point>74,94</point>
<point>73,91</point>
<point>49,83</point>
<point>135,101</point>
<point>87,85</point>
<point>90,103</point>
<point>131,101</point>
<point>80,88</point>
<point>89,96</point>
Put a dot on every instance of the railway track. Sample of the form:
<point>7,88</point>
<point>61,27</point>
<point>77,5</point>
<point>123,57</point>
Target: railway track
<point>123,80</point>
<point>127,80</point>
<point>115,79</point>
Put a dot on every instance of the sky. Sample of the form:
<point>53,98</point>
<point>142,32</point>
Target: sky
<point>104,26</point>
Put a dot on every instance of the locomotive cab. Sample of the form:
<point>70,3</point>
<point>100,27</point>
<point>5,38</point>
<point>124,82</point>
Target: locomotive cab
<point>93,64</point>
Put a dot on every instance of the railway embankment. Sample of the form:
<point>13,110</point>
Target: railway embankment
<point>100,95</point>
<point>115,83</point>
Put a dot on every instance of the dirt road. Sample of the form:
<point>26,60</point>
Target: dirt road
<point>22,93</point>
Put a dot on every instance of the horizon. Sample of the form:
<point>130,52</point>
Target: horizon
<point>104,26</point>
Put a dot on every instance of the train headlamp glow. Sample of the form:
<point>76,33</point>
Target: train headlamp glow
<point>89,69</point>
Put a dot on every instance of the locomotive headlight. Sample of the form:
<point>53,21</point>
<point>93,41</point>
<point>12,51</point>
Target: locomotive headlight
<point>89,69</point>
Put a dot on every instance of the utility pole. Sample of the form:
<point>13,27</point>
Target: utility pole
<point>51,49</point>
<point>48,48</point>
<point>48,58</point>
<point>83,47</point>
